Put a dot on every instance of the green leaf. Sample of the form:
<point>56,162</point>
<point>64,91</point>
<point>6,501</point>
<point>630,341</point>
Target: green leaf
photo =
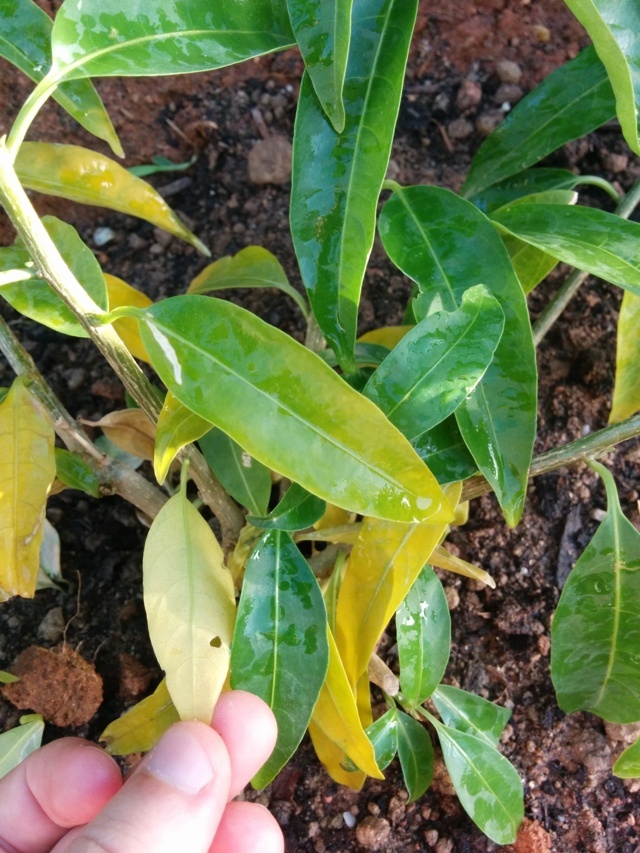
<point>79,174</point>
<point>132,38</point>
<point>280,648</point>
<point>252,266</point>
<point>365,355</point>
<point>614,28</point>
<point>8,677</point>
<point>472,714</point>
<point>160,164</point>
<point>487,785</point>
<point>523,184</point>
<point>75,473</point>
<point>246,479</point>
<point>25,40</point>
<point>595,664</point>
<point>415,752</point>
<point>383,735</point>
<point>626,392</point>
<point>445,453</point>
<point>423,631</point>
<point>18,743</point>
<point>287,408</point>
<point>297,510</point>
<point>35,298</point>
<point>322,30</point>
<point>601,243</point>
<point>628,764</point>
<point>530,264</point>
<point>438,363</point>
<point>571,102</point>
<point>177,426</point>
<point>337,177</point>
<point>190,603</point>
<point>447,245</point>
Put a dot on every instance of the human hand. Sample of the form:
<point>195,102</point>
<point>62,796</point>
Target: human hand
<point>68,796</point>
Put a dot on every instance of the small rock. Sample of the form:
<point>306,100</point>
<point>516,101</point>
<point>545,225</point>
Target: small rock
<point>373,833</point>
<point>431,837</point>
<point>162,237</point>
<point>541,33</point>
<point>459,128</point>
<point>508,72</point>
<point>445,845</point>
<point>51,628</point>
<point>136,242</point>
<point>452,596</point>
<point>393,170</point>
<point>508,93</point>
<point>613,162</point>
<point>76,378</point>
<point>487,122</point>
<point>469,95</point>
<point>103,235</point>
<point>134,677</point>
<point>349,819</point>
<point>270,161</point>
<point>532,838</point>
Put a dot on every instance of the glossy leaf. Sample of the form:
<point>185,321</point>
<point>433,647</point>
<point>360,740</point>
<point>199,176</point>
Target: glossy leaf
<point>336,762</point>
<point>322,30</point>
<point>251,267</point>
<point>487,785</point>
<point>280,650</point>
<point>336,716</point>
<point>35,299</point>
<point>627,765</point>
<point>365,355</point>
<point>75,473</point>
<point>190,603</point>
<point>600,243</point>
<point>383,566</point>
<point>530,264</point>
<point>415,752</point>
<point>498,419</point>
<point>438,364</point>
<point>523,184</point>
<point>27,469</point>
<point>442,559</point>
<point>286,408</point>
<point>246,479</point>
<point>571,102</point>
<point>18,743</point>
<point>337,177</point>
<point>387,336</point>
<point>423,632</point>
<point>614,28</point>
<point>445,453</point>
<point>129,429</point>
<point>297,510</point>
<point>160,164</point>
<point>120,293</point>
<point>469,713</point>
<point>383,734</point>
<point>25,40</point>
<point>177,426</point>
<point>133,38</point>
<point>600,605</point>
<point>78,174</point>
<point>141,727</point>
<point>626,392</point>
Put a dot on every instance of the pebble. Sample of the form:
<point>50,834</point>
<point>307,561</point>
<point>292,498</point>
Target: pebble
<point>469,95</point>
<point>508,72</point>
<point>51,628</point>
<point>270,161</point>
<point>487,122</point>
<point>136,242</point>
<point>103,235</point>
<point>452,596</point>
<point>431,837</point>
<point>373,833</point>
<point>459,128</point>
<point>508,93</point>
<point>349,819</point>
<point>613,162</point>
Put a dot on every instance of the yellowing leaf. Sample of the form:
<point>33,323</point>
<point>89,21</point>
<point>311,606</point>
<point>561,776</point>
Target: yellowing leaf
<point>387,337</point>
<point>121,293</point>
<point>333,517</point>
<point>334,758</point>
<point>143,725</point>
<point>27,469</point>
<point>626,393</point>
<point>76,173</point>
<point>343,533</point>
<point>442,559</point>
<point>130,430</point>
<point>363,700</point>
<point>177,426</point>
<point>336,716</point>
<point>190,604</point>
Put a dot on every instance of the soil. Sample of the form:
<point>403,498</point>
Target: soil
<point>501,643</point>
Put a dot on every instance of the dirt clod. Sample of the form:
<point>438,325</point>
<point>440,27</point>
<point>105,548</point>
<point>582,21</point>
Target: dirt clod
<point>532,838</point>
<point>373,833</point>
<point>270,161</point>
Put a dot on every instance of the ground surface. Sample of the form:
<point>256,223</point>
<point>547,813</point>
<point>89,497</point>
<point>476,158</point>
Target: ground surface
<point>501,637</point>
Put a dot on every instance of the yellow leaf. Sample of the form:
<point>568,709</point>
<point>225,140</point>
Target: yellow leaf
<point>387,337</point>
<point>333,517</point>
<point>363,700</point>
<point>342,534</point>
<point>143,725</point>
<point>177,426</point>
<point>120,294</point>
<point>247,541</point>
<point>27,469</point>
<point>128,429</point>
<point>76,173</point>
<point>442,559</point>
<point>626,393</point>
<point>333,758</point>
<point>190,604</point>
<point>336,716</point>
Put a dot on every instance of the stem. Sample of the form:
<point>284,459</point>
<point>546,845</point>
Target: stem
<point>54,270</point>
<point>570,287</point>
<point>29,110</point>
<point>568,454</point>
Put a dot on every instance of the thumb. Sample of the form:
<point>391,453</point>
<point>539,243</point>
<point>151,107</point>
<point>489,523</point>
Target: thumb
<point>173,801</point>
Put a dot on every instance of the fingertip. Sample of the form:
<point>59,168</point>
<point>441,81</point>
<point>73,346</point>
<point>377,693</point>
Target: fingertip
<point>246,828</point>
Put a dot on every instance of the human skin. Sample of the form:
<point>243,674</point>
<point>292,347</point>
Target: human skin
<point>68,796</point>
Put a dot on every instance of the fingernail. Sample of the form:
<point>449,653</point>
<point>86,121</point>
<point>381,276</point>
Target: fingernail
<point>180,761</point>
